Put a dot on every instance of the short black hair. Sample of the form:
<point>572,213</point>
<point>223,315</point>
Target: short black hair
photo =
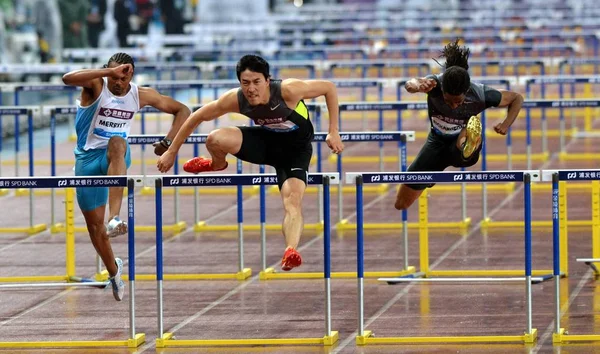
<point>456,79</point>
<point>121,58</point>
<point>253,63</point>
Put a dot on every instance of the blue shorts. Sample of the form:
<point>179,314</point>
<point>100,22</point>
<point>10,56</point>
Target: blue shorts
<point>94,163</point>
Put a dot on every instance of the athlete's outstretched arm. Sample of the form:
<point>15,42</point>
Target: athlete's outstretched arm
<point>150,97</point>
<point>227,103</point>
<point>294,90</point>
<point>91,78</point>
<point>514,102</point>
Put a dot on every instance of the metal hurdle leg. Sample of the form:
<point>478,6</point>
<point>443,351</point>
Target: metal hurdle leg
<point>531,334</point>
<point>159,261</point>
<point>263,226</point>
<point>558,331</point>
<point>362,334</point>
<point>240,215</point>
<point>135,339</point>
<point>331,337</point>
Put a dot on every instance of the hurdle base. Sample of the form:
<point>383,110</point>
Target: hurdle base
<point>202,226</point>
<point>57,228</point>
<point>140,338</point>
<point>241,275</point>
<point>271,274</point>
<point>488,223</point>
<point>488,273</point>
<point>558,337</point>
<point>564,337</point>
<point>32,230</point>
<point>167,341</point>
<point>368,338</point>
<point>461,225</point>
<point>362,340</point>
<point>33,279</point>
<point>130,343</point>
<point>175,228</point>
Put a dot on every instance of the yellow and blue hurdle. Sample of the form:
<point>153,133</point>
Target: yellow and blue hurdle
<point>365,337</point>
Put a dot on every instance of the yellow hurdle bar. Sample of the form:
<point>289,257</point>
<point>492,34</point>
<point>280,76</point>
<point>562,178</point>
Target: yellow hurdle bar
<point>203,227</point>
<point>26,230</point>
<point>270,274</point>
<point>33,278</point>
<point>241,275</point>
<point>461,225</point>
<point>368,339</point>
<point>538,223</point>
<point>166,341</point>
<point>485,273</point>
<point>139,339</point>
<point>175,228</point>
<point>537,157</point>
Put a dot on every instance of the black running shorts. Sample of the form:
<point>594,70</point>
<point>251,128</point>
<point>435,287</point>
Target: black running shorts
<point>437,154</point>
<point>288,152</point>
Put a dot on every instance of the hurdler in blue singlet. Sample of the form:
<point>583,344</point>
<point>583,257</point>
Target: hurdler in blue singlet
<point>107,117</point>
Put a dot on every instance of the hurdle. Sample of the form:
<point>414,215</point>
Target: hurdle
<point>17,111</point>
<point>70,280</point>
<point>365,337</point>
<point>167,339</point>
<point>561,81</point>
<point>559,204</point>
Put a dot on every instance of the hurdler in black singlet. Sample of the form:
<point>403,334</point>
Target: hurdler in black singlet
<point>440,150</point>
<point>282,137</point>
<point>276,116</point>
<point>446,121</point>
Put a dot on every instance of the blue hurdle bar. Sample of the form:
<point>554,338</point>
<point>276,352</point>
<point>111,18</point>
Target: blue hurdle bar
<point>129,182</point>
<point>360,178</point>
<point>325,179</point>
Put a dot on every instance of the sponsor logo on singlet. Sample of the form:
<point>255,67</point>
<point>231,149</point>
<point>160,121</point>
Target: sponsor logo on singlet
<point>115,113</point>
<point>446,125</point>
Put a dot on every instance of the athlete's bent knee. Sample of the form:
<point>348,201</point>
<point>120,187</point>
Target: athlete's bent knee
<point>223,139</point>
<point>117,147</point>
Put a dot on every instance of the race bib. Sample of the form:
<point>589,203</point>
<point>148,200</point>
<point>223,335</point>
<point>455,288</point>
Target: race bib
<point>447,126</point>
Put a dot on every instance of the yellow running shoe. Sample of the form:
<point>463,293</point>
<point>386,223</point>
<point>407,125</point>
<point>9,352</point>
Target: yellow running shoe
<point>473,137</point>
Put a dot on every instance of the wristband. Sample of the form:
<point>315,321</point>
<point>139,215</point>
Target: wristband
<point>166,142</point>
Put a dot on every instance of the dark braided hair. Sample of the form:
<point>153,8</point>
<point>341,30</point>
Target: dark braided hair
<point>121,58</point>
<point>456,80</point>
